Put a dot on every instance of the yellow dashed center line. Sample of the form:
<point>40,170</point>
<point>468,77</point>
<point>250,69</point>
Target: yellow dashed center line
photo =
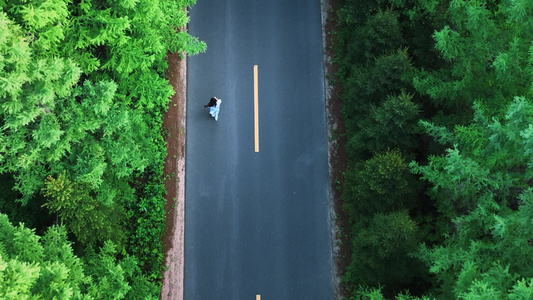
<point>256,115</point>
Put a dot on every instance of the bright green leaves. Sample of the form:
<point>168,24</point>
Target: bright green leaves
<point>183,42</point>
<point>35,268</point>
<point>46,20</point>
<point>447,43</point>
<point>26,244</point>
<point>511,65</point>
<point>17,278</point>
<point>17,272</point>
<point>175,39</point>
<point>128,4</point>
<point>39,14</point>
<point>111,282</point>
<point>90,165</point>
<point>490,159</point>
<point>522,290</point>
<point>30,123</point>
<point>55,277</point>
<point>150,91</point>
<point>129,39</point>
<point>49,131</point>
<point>14,59</point>
<point>100,97</point>
<point>83,90</point>
<point>43,128</point>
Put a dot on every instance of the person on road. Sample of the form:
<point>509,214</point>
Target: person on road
<point>214,107</point>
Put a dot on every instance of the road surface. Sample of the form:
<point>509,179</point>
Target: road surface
<point>257,212</point>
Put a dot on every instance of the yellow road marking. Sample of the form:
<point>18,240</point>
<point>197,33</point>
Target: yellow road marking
<point>256,112</point>
<point>257,297</point>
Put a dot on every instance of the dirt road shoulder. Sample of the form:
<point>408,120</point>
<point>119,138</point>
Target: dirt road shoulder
<point>174,123</point>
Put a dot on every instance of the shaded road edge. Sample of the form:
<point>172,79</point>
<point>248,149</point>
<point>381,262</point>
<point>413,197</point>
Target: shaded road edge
<point>174,124</point>
<point>337,156</point>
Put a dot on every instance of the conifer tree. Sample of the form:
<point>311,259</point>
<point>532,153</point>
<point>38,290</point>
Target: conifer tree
<point>388,125</point>
<point>83,90</point>
<point>381,185</point>
<point>488,50</point>
<point>484,190</point>
<point>382,251</point>
<point>46,268</point>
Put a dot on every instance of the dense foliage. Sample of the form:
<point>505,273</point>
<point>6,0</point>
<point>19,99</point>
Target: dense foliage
<point>82,95</point>
<point>438,104</point>
<point>47,268</point>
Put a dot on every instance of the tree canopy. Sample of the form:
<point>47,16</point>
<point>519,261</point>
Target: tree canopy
<point>83,90</point>
<point>437,100</point>
<point>46,267</point>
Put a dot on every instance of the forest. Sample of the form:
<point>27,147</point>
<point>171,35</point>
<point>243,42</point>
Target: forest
<point>82,95</point>
<point>438,105</point>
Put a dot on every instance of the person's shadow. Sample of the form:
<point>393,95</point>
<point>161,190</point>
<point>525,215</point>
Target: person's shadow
<point>205,113</point>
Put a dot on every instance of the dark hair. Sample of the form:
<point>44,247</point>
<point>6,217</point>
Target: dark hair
<point>212,102</point>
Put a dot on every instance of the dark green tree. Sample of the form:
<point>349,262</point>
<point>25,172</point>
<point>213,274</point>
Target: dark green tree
<point>487,46</point>
<point>90,220</point>
<point>381,184</point>
<point>382,252</point>
<point>389,125</point>
<point>463,63</point>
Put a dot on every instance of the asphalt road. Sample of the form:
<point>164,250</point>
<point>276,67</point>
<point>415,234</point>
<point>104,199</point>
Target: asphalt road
<point>257,223</point>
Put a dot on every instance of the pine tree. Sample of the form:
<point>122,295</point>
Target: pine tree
<point>90,220</point>
<point>382,250</point>
<point>382,184</point>
<point>484,191</point>
<point>83,90</point>
<point>35,268</point>
<point>389,125</point>
<point>488,55</point>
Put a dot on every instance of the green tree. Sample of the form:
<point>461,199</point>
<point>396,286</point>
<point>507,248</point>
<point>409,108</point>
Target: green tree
<point>389,125</point>
<point>90,220</point>
<point>379,35</point>
<point>381,184</point>
<point>83,90</point>
<point>46,268</point>
<point>370,84</point>
<point>462,62</point>
<point>489,160</point>
<point>487,45</point>
<point>374,65</point>
<point>484,190</point>
<point>381,251</point>
<point>56,119</point>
